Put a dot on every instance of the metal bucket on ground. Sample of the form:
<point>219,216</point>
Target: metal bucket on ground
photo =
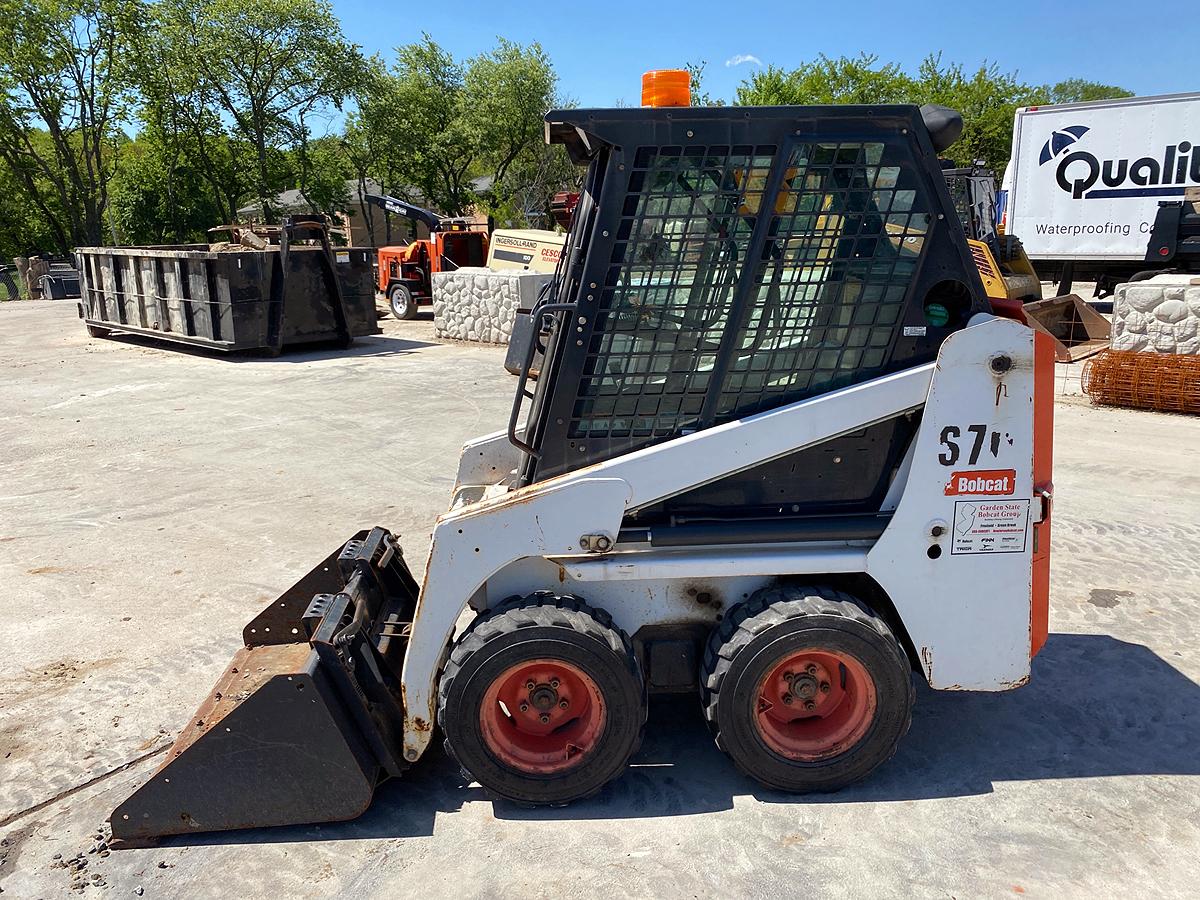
<point>307,718</point>
<point>1078,330</point>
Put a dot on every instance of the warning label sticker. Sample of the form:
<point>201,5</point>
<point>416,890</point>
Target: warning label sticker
<point>990,526</point>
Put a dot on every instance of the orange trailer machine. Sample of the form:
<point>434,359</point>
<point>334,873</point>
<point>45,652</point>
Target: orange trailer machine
<point>406,272</point>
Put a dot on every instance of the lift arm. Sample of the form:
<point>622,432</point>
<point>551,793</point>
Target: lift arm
<point>400,208</point>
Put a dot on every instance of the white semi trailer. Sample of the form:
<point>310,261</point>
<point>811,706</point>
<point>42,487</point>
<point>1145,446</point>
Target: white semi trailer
<point>1085,180</point>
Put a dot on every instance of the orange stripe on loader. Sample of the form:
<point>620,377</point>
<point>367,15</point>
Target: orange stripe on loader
<point>1043,486</point>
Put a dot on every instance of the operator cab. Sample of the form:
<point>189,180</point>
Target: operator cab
<point>973,193</point>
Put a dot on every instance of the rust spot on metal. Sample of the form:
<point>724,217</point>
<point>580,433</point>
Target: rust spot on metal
<point>703,595</point>
<point>420,724</point>
<point>562,574</point>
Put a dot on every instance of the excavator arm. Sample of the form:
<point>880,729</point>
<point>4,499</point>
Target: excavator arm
<point>398,207</point>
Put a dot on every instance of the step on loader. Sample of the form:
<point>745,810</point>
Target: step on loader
<point>783,456</point>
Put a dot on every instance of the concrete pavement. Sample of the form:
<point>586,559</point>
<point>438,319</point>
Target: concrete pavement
<point>152,501</point>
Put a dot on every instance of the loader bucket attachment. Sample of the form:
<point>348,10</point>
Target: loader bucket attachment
<point>1078,330</point>
<point>306,719</point>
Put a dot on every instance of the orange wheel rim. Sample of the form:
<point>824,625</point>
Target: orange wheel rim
<point>815,704</point>
<point>542,716</point>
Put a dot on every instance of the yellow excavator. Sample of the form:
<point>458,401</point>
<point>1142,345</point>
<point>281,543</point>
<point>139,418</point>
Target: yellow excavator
<point>1007,274</point>
<point>1009,279</point>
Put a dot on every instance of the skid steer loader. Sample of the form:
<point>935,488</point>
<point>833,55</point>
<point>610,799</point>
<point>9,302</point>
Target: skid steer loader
<point>782,455</point>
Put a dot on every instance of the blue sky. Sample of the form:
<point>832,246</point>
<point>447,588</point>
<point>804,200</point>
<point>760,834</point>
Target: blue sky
<point>601,49</point>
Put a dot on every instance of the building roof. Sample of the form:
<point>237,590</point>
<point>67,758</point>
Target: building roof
<point>293,200</point>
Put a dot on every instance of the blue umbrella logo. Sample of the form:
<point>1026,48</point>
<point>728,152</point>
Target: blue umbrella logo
<point>1060,141</point>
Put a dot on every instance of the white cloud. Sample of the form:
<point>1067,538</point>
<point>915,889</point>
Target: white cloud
<point>742,58</point>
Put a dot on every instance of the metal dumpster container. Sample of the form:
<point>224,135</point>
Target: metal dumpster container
<point>62,282</point>
<point>238,299</point>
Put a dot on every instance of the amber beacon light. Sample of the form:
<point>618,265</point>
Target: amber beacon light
<point>666,87</point>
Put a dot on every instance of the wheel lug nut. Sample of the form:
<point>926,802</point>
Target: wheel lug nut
<point>824,687</point>
<point>788,676</point>
<point>811,670</point>
<point>787,698</point>
<point>524,707</point>
<point>529,685</point>
<point>809,705</point>
<point>563,704</point>
<point>554,682</point>
<point>545,718</point>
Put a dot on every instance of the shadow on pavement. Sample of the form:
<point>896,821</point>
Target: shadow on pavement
<point>1096,706</point>
<point>424,314</point>
<point>369,345</point>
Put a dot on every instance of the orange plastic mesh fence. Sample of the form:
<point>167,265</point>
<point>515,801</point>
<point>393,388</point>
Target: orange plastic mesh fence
<point>1169,381</point>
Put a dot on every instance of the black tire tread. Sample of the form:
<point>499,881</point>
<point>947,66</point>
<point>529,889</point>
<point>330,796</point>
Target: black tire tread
<point>773,606</point>
<point>539,609</point>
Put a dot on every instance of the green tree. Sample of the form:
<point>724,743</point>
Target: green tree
<point>843,79</point>
<point>24,231</point>
<point>376,151</point>
<point>506,92</point>
<point>419,108</point>
<point>264,64</point>
<point>987,99</point>
<point>322,169</point>
<point>158,192</point>
<point>63,90</point>
<point>439,127</point>
<point>699,96</point>
<point>522,200</point>
<point>1077,90</point>
<point>178,106</point>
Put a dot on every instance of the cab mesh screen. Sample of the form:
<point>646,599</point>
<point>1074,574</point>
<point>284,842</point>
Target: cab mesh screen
<point>827,293</point>
<point>828,298</point>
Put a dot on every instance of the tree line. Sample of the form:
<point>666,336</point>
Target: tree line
<point>987,96</point>
<point>149,121</point>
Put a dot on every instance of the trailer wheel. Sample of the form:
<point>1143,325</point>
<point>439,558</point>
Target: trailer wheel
<point>806,689</point>
<point>401,301</point>
<point>542,700</point>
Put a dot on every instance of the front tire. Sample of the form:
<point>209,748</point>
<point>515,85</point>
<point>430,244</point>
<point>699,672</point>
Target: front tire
<point>401,302</point>
<point>806,689</point>
<point>542,700</point>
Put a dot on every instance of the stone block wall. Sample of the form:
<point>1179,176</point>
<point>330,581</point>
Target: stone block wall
<point>1161,315</point>
<point>476,304</point>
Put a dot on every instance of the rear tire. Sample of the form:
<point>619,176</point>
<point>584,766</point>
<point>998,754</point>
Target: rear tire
<point>401,302</point>
<point>542,700</point>
<point>806,688</point>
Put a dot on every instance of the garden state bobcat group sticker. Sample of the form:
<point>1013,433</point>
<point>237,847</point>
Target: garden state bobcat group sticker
<point>990,526</point>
